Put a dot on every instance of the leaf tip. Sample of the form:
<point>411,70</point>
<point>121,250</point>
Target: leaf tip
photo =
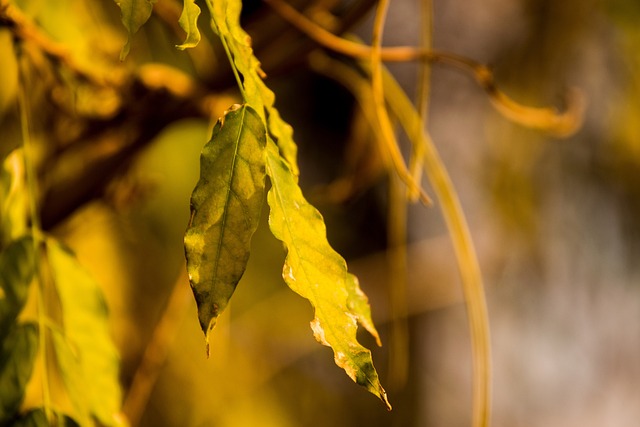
<point>207,335</point>
<point>382,394</point>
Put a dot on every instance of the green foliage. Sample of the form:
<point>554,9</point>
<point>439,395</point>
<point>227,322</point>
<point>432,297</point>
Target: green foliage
<point>38,418</point>
<point>225,210</point>
<point>16,271</point>
<point>17,357</point>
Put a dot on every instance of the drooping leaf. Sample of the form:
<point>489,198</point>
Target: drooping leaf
<point>13,198</point>
<point>17,356</point>
<point>318,273</point>
<point>225,210</point>
<point>134,15</point>
<point>226,24</point>
<point>16,271</point>
<point>189,23</point>
<point>86,350</point>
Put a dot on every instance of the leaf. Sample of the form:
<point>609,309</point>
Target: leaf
<point>189,23</point>
<point>37,418</point>
<point>17,357</point>
<point>226,23</point>
<point>225,210</point>
<point>86,350</point>
<point>33,418</point>
<point>134,15</point>
<point>16,271</point>
<point>318,273</point>
<point>14,203</point>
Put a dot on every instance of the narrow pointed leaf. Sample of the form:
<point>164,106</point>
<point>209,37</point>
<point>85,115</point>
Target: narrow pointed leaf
<point>86,350</point>
<point>16,271</point>
<point>225,210</point>
<point>226,23</point>
<point>134,15</point>
<point>189,23</point>
<point>318,273</point>
<point>17,356</point>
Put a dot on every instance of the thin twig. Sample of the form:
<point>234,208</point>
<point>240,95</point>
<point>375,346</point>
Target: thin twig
<point>380,109</point>
<point>422,94</point>
<point>560,124</point>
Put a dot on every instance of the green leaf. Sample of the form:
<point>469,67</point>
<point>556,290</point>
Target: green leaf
<point>134,15</point>
<point>226,23</point>
<point>86,352</point>
<point>17,357</point>
<point>318,273</point>
<point>16,271</point>
<point>33,418</point>
<point>225,210</point>
<point>189,23</point>
<point>37,418</point>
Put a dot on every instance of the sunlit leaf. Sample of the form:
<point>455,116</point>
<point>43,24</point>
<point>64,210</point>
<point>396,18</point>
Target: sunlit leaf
<point>17,357</point>
<point>87,351</point>
<point>69,363</point>
<point>189,23</point>
<point>226,23</point>
<point>225,210</point>
<point>16,271</point>
<point>13,198</point>
<point>318,273</point>
<point>134,15</point>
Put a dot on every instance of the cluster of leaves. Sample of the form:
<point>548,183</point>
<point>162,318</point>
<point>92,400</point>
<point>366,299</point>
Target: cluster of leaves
<point>68,333</point>
<point>249,143</point>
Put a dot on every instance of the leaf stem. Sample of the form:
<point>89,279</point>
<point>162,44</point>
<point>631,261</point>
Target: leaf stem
<point>416,161</point>
<point>227,50</point>
<point>386,129</point>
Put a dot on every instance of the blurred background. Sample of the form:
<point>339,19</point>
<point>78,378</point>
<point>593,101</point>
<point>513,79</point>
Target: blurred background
<point>556,223</point>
